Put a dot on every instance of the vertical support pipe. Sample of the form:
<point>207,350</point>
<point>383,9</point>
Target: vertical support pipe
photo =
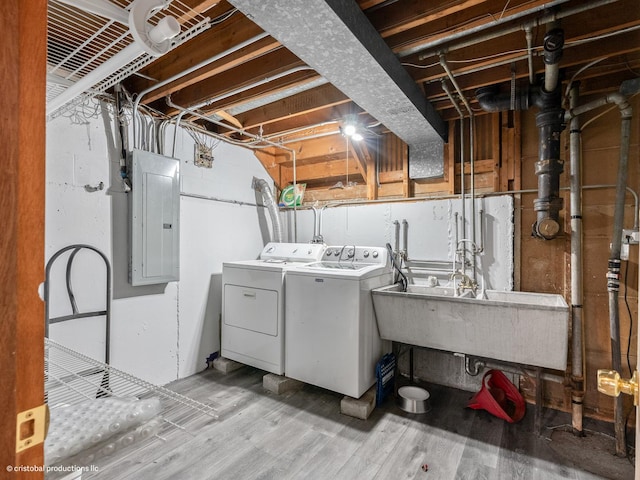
<point>454,82</point>
<point>577,344</point>
<point>405,234</point>
<point>455,244</point>
<point>463,198</point>
<point>473,196</point>
<point>396,225</point>
<point>613,272</point>
<point>613,278</point>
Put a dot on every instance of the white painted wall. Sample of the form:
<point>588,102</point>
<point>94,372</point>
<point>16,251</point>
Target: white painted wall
<point>159,333</point>
<point>165,332</point>
<point>431,234</point>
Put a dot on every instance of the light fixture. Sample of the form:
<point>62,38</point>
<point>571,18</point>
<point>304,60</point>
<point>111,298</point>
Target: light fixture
<point>351,128</point>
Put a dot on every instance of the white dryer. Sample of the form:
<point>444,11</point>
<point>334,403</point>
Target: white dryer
<point>331,334</point>
<point>253,293</point>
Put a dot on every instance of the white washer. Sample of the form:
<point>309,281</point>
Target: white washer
<point>253,293</point>
<point>331,335</point>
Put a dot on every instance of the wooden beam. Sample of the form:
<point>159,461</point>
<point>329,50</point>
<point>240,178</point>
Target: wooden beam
<point>496,150</point>
<point>406,182</point>
<point>22,199</point>
<point>438,29</point>
<point>362,156</point>
<point>267,158</point>
<point>329,171</point>
<point>335,112</point>
<point>416,13</point>
<point>319,148</point>
<point>391,177</point>
<point>249,73</point>
<point>211,8</point>
<point>319,98</point>
<point>432,187</point>
<point>469,78</point>
<point>328,195</point>
<point>481,166</point>
<point>365,4</point>
<point>208,44</point>
<point>372,181</point>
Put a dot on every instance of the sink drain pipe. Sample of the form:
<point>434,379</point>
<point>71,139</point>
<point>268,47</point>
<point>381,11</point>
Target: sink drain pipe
<point>550,123</point>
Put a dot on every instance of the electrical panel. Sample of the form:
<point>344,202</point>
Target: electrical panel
<point>154,211</point>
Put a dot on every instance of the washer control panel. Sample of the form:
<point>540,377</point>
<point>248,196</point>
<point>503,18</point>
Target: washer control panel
<point>354,253</point>
<point>292,252</point>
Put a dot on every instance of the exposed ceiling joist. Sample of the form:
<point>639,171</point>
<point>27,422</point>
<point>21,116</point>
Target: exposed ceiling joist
<point>337,40</point>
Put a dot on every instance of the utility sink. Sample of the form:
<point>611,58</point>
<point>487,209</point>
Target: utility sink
<point>519,327</point>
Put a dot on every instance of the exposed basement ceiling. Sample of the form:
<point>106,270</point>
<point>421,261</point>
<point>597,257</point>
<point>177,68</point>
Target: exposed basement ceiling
<point>325,59</point>
<point>337,40</point>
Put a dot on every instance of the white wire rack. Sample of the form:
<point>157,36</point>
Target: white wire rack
<point>80,43</point>
<point>72,378</point>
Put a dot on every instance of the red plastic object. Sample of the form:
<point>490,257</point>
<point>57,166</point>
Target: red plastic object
<point>498,395</point>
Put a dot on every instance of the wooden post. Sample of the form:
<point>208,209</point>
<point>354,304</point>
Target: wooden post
<point>22,139</point>
<point>406,181</point>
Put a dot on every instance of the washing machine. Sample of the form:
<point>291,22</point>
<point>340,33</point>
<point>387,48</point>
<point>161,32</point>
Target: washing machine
<point>253,294</point>
<point>331,334</point>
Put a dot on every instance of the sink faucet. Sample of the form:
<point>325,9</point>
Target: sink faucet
<point>466,283</point>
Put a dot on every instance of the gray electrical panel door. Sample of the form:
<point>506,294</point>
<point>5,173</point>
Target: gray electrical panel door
<point>154,205</point>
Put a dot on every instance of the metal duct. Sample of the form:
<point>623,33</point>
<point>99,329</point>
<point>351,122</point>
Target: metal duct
<point>336,39</point>
<point>267,196</point>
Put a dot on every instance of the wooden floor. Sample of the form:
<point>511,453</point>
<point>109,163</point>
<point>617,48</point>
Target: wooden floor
<point>302,435</point>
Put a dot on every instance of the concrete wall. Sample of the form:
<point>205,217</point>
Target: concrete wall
<point>164,332</point>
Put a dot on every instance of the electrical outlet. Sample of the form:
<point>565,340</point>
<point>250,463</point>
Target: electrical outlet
<point>630,237</point>
<point>203,156</point>
<point>624,251</point>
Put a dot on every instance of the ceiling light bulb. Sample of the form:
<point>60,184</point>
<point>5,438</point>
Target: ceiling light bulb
<point>349,129</point>
<point>356,137</point>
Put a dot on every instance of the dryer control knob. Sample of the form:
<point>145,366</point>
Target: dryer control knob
<point>329,252</point>
<point>375,254</point>
<point>270,249</point>
<point>366,254</point>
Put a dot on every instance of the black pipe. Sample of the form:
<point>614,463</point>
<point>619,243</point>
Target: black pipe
<point>491,100</point>
<point>550,123</point>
